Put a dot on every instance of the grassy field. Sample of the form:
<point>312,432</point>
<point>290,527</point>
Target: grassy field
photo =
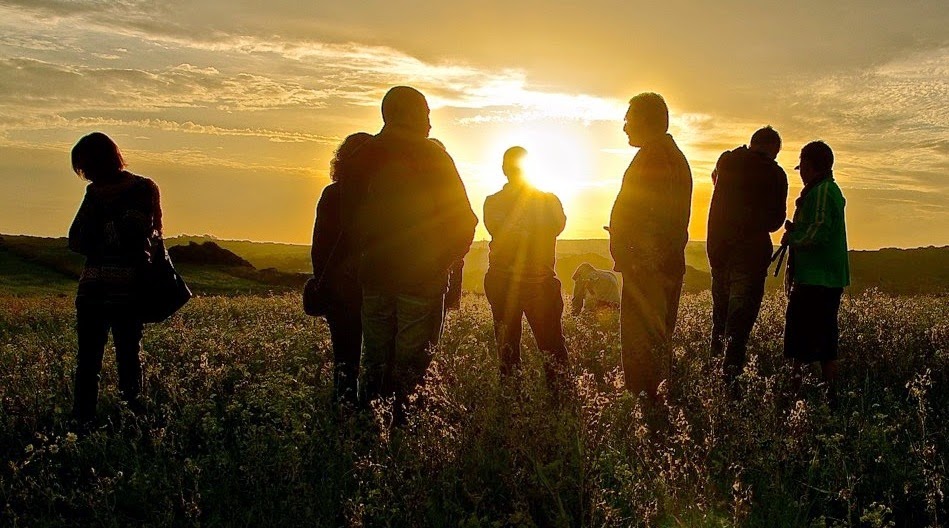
<point>242,432</point>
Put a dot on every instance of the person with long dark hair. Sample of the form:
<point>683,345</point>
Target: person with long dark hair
<point>335,262</point>
<point>117,222</point>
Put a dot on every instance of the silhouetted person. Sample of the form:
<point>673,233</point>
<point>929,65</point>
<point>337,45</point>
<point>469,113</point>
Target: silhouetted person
<point>749,202</point>
<point>818,266</point>
<point>524,223</point>
<point>648,234</point>
<point>118,219</point>
<point>413,220</point>
<point>594,288</point>
<point>335,260</point>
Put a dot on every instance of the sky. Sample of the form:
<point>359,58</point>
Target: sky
<point>235,107</point>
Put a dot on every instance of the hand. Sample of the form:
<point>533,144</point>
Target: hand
<point>786,237</point>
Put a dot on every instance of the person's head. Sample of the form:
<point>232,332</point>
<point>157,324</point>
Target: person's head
<point>345,150</point>
<point>406,107</point>
<point>95,156</point>
<point>816,160</point>
<point>513,164</point>
<point>583,271</point>
<point>647,118</point>
<point>766,141</point>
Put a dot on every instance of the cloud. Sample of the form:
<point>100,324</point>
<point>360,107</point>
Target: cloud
<point>890,121</point>
<point>26,82</point>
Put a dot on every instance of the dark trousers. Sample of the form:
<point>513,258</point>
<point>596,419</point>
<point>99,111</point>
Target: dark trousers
<point>399,334</point>
<point>648,311</point>
<point>345,324</point>
<point>94,320</point>
<point>737,291</point>
<point>542,304</point>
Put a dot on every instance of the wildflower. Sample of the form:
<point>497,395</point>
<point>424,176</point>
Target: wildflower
<point>28,449</point>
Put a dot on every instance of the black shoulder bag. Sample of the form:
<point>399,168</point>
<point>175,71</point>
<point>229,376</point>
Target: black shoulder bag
<point>162,291</point>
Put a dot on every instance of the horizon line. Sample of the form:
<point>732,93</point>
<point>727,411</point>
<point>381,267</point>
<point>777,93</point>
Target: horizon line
<point>303,244</point>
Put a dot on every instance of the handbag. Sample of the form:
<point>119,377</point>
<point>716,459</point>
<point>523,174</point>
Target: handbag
<point>162,291</point>
<point>317,301</point>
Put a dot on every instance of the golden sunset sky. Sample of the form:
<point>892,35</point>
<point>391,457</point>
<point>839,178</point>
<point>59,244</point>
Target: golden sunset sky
<point>234,107</point>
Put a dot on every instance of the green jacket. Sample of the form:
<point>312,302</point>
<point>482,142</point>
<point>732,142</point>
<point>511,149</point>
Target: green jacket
<point>818,241</point>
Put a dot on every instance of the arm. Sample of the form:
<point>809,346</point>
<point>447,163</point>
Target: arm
<point>326,229</point>
<point>621,222</point>
<point>557,218</point>
<point>776,201</point>
<point>818,222</point>
<point>491,217</point>
<point>457,220</point>
<point>79,230</point>
<point>157,225</point>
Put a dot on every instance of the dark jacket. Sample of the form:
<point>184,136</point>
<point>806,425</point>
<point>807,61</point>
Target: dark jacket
<point>410,213</point>
<point>333,253</point>
<point>650,218</point>
<point>748,202</point>
<point>114,229</point>
<point>524,223</point>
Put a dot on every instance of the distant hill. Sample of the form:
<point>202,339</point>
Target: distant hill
<point>35,264</point>
<point>207,254</point>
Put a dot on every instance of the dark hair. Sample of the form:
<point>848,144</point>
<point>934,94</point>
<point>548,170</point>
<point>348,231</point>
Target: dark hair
<point>766,136</point>
<point>818,155</point>
<point>96,155</point>
<point>652,109</point>
<point>403,105</point>
<point>513,154</point>
<point>512,160</point>
<point>346,149</point>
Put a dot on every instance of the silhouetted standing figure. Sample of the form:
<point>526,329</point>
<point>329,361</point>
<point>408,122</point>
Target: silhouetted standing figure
<point>648,233</point>
<point>335,260</point>
<point>818,266</point>
<point>749,201</point>
<point>524,223</point>
<point>413,221</point>
<point>118,219</point>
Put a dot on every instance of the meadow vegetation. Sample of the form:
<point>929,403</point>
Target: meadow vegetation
<point>242,430</point>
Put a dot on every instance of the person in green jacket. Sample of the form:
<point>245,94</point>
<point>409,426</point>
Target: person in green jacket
<point>818,267</point>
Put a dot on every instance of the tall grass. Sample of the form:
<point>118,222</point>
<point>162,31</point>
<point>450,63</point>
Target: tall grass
<point>242,430</point>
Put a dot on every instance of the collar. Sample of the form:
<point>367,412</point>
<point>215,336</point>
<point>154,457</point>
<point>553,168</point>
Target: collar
<point>829,175</point>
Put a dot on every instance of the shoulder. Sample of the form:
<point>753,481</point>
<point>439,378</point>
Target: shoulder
<point>330,192</point>
<point>144,183</point>
<point>552,199</point>
<point>727,157</point>
<point>833,189</point>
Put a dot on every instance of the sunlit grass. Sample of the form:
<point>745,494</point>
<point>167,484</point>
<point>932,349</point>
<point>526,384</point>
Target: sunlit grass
<point>242,431</point>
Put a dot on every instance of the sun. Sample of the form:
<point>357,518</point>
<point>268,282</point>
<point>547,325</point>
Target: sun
<point>557,160</point>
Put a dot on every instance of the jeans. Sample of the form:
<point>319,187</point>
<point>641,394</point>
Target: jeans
<point>94,319</point>
<point>399,333</point>
<point>648,311</point>
<point>737,291</point>
<point>542,304</point>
